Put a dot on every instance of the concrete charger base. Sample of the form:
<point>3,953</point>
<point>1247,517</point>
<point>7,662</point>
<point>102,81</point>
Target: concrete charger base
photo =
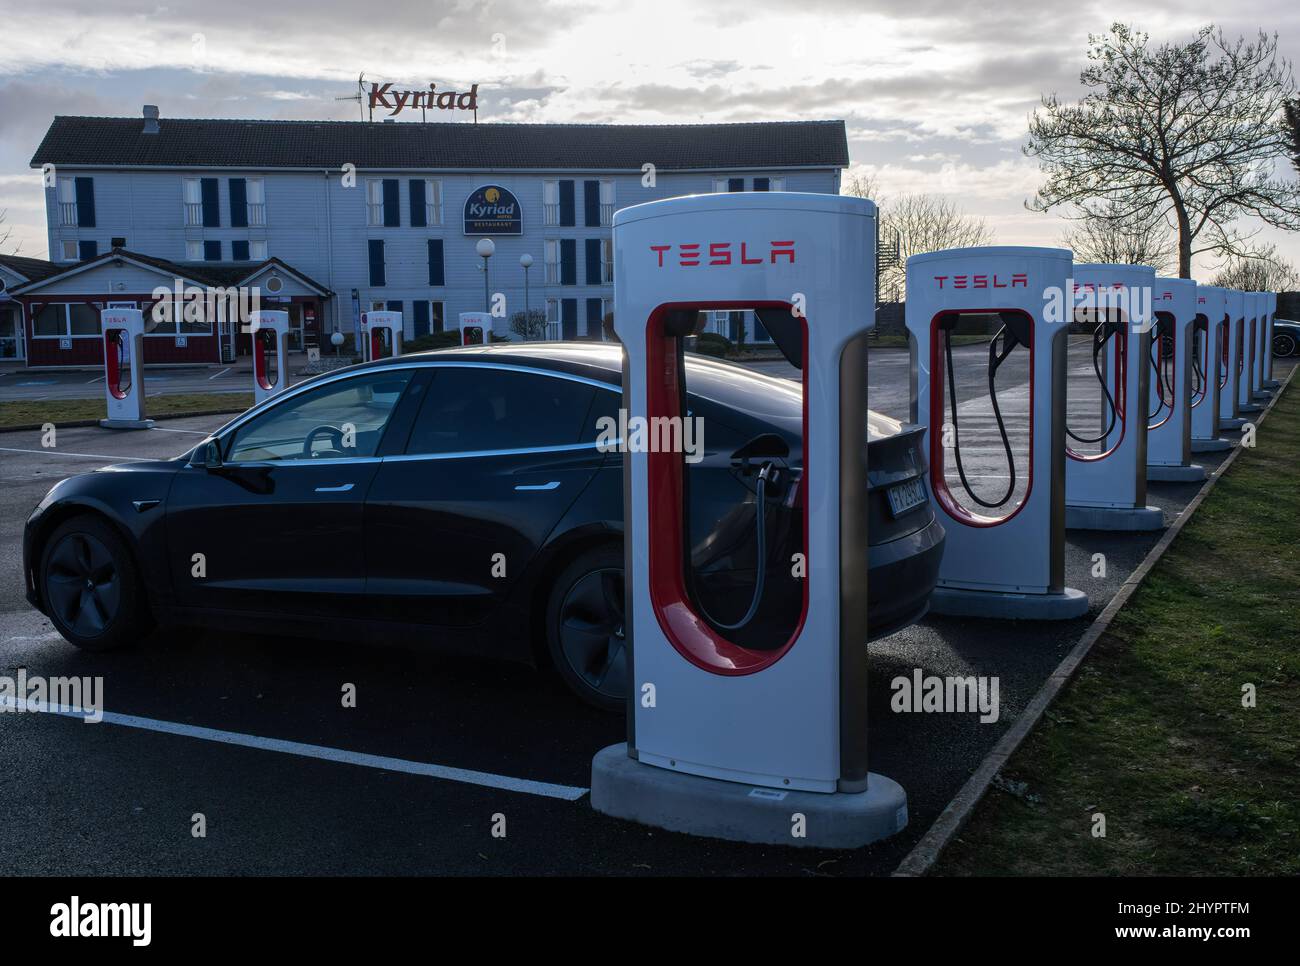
<point>1183,473</point>
<point>1272,385</point>
<point>1216,445</point>
<point>624,788</point>
<point>961,602</point>
<point>1249,408</point>
<point>1233,423</point>
<point>126,423</point>
<point>1114,518</point>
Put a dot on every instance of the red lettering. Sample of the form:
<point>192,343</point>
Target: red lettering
<point>1020,281</point>
<point>982,281</point>
<point>660,249</point>
<point>941,279</point>
<point>785,248</point>
<point>720,253</point>
<point>689,254</point>
<point>748,261</point>
<point>959,281</point>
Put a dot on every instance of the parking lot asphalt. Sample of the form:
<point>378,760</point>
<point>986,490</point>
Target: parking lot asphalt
<point>249,731</point>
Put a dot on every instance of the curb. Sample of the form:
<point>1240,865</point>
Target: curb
<point>957,812</point>
<point>80,423</point>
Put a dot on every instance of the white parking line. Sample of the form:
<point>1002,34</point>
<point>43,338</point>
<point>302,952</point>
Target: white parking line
<point>568,793</point>
<point>164,429</point>
<point>220,374</point>
<point>84,456</point>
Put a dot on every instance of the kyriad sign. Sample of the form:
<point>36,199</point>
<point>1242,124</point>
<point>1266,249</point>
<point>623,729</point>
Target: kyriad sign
<point>493,210</point>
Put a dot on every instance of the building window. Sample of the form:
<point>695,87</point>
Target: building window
<point>191,317</point>
<point>255,191</point>
<point>376,252</point>
<point>193,202</point>
<point>194,251</point>
<point>257,251</point>
<point>606,203</point>
<point>550,202</point>
<point>776,184</point>
<point>86,250</point>
<point>67,251</point>
<point>552,261</point>
<point>59,320</point>
<point>67,203</point>
<point>432,201</point>
<point>719,185</point>
<point>568,261</point>
<point>426,318</point>
<point>238,251</point>
<point>553,319</point>
<point>212,251</point>
<point>607,261</point>
<point>375,203</point>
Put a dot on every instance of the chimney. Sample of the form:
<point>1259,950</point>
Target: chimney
<point>150,119</point>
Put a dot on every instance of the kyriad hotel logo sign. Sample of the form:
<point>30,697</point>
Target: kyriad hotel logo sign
<point>493,210</point>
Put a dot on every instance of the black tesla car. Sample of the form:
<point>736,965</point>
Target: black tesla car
<point>461,497</point>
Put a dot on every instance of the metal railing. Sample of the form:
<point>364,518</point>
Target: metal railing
<point>68,213</point>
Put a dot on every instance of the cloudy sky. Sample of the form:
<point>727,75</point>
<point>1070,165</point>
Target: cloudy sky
<point>935,93</point>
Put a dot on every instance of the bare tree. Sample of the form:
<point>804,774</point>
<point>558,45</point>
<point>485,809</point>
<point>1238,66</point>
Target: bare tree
<point>925,223</point>
<point>529,326</point>
<point>1135,238</point>
<point>5,233</point>
<point>1293,132</point>
<point>862,185</point>
<point>1262,269</point>
<point>1187,131</point>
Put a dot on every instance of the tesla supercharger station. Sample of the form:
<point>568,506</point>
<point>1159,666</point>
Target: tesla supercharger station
<point>380,328</point>
<point>1169,432</point>
<point>1012,563</point>
<point>1258,359</point>
<point>1246,360</point>
<point>751,745</point>
<point>1231,350</point>
<point>1270,306</point>
<point>124,368</point>
<point>1107,490</point>
<point>475,328</point>
<point>1208,368</point>
<point>270,335</point>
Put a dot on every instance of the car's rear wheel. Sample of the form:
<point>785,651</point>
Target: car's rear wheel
<point>584,628</point>
<point>1284,344</point>
<point>90,586</point>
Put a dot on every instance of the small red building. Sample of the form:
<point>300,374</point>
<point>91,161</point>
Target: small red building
<point>192,310</point>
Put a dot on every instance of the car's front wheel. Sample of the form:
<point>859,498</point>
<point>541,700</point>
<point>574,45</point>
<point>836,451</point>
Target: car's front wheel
<point>90,587</point>
<point>1284,344</point>
<point>584,628</point>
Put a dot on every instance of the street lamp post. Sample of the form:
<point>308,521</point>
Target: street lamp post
<point>526,261</point>
<point>486,248</point>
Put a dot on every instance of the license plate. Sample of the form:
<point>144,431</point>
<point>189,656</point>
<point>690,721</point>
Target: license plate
<point>906,496</point>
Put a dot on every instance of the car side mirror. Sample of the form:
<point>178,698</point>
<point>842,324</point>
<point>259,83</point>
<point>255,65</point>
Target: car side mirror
<point>207,455</point>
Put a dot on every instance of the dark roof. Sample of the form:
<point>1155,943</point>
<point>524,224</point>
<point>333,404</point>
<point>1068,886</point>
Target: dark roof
<point>191,142</point>
<point>31,269</point>
<point>214,274</point>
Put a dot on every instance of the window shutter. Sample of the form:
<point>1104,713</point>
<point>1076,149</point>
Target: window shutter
<point>762,184</point>
<point>238,203</point>
<point>85,202</point>
<point>239,251</point>
<point>569,318</point>
<point>568,261</point>
<point>212,251</point>
<point>393,306</point>
<point>594,319</point>
<point>420,324</point>
<point>211,203</point>
<point>566,204</point>
<point>436,276</point>
<point>417,204</point>
<point>376,261</point>
<point>593,261</point>
<point>591,203</point>
<point>735,184</point>
<point>86,250</point>
<point>392,214</point>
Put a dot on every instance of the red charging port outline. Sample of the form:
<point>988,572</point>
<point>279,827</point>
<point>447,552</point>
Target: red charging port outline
<point>1202,324</point>
<point>938,374</point>
<point>1161,358</point>
<point>113,342</point>
<point>686,630</point>
<point>263,340</point>
<point>1120,396</point>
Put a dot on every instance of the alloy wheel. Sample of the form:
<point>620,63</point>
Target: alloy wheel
<point>591,631</point>
<point>83,584</point>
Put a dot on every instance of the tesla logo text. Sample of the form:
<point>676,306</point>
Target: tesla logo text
<point>983,281</point>
<point>724,253</point>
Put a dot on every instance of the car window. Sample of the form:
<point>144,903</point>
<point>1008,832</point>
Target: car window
<point>474,408</point>
<point>341,419</point>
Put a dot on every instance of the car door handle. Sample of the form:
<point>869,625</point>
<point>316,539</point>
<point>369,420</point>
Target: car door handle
<point>554,484</point>
<point>340,488</point>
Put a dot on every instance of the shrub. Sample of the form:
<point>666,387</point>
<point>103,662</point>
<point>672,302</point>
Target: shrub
<point>712,344</point>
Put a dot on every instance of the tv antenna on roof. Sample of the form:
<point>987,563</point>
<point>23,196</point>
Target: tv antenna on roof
<point>360,97</point>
